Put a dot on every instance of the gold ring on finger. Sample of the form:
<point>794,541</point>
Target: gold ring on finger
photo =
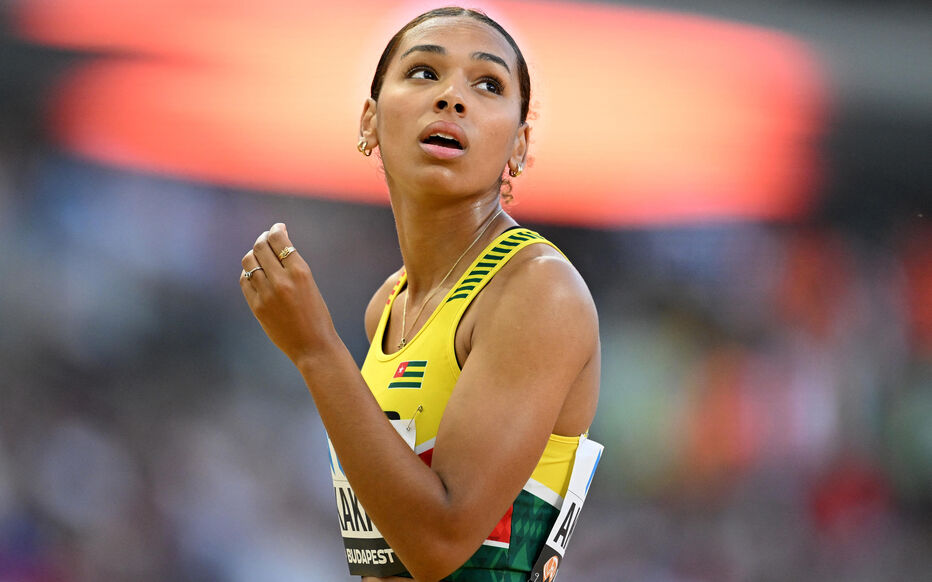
<point>285,252</point>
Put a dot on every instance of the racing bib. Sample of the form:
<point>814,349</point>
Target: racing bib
<point>548,562</point>
<point>367,552</point>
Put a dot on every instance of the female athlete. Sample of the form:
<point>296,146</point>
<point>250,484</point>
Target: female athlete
<point>452,449</point>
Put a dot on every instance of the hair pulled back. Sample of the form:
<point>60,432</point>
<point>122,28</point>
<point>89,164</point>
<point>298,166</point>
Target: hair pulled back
<point>524,78</point>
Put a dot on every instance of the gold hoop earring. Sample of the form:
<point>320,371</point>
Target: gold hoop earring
<point>361,146</point>
<point>515,173</point>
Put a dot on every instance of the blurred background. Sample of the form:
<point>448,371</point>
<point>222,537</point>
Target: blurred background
<point>745,186</point>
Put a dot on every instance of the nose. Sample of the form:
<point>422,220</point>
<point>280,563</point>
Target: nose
<point>450,99</point>
<point>457,106</point>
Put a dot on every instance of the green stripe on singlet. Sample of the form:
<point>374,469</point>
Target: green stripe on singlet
<point>531,520</point>
<point>490,260</point>
<point>405,385</point>
<point>525,235</point>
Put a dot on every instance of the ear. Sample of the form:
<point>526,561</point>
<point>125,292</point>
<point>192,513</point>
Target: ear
<point>367,123</point>
<point>519,153</point>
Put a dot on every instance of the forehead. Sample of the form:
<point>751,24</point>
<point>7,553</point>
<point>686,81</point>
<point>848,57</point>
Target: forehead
<point>459,34</point>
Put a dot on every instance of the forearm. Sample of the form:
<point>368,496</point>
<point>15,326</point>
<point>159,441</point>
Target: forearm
<point>420,516</point>
<point>407,500</point>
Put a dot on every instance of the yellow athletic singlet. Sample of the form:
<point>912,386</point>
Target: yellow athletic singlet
<point>413,385</point>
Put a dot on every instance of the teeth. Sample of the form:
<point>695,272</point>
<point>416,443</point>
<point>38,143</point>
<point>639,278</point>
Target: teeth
<point>444,136</point>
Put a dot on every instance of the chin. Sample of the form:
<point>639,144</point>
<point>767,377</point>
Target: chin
<point>435,180</point>
<point>446,186</point>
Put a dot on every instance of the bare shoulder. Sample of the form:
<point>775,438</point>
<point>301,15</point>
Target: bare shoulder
<point>536,328</point>
<point>541,282</point>
<point>540,296</point>
<point>378,301</point>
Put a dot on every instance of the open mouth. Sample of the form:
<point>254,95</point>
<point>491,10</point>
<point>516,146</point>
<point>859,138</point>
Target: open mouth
<point>443,140</point>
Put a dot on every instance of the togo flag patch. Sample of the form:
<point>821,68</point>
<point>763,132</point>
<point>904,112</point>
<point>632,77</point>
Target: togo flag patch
<point>409,374</point>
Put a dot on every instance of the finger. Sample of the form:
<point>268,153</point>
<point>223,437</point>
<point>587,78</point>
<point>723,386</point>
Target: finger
<point>252,272</point>
<point>266,257</point>
<point>279,241</point>
<point>248,287</point>
<point>249,261</point>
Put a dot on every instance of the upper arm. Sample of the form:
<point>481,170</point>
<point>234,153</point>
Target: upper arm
<point>377,303</point>
<point>530,344</point>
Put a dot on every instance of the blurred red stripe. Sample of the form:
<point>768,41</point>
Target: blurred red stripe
<point>645,116</point>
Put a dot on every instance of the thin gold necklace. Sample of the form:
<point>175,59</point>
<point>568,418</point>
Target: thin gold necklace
<point>404,309</point>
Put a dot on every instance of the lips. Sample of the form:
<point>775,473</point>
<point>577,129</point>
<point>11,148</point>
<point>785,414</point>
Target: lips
<point>443,140</point>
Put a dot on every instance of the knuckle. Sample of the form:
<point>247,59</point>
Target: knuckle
<point>282,287</point>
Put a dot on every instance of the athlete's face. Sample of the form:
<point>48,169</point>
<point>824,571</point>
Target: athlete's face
<point>448,118</point>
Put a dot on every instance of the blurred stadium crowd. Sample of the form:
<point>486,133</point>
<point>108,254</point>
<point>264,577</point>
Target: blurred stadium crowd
<point>766,398</point>
<point>766,394</point>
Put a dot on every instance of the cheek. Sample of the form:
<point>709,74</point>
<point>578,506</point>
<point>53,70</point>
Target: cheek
<point>500,137</point>
<point>390,125</point>
<point>395,108</point>
<point>392,135</point>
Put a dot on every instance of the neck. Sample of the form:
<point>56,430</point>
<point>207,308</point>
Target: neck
<point>432,238</point>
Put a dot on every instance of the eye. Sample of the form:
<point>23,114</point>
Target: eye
<point>421,72</point>
<point>492,85</point>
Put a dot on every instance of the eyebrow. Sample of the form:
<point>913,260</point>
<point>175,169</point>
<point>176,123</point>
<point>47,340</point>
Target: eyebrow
<point>493,58</point>
<point>478,55</point>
